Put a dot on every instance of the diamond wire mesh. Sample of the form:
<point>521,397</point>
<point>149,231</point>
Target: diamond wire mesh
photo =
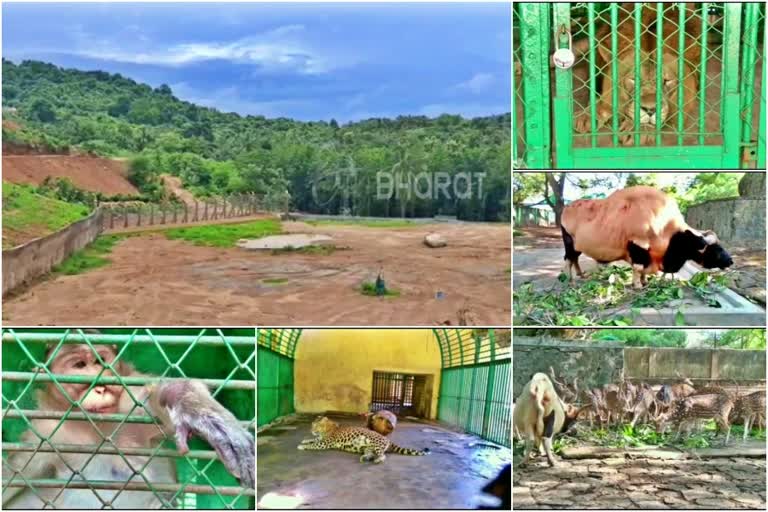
<point>202,480</point>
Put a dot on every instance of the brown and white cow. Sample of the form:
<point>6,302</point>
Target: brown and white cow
<point>640,225</point>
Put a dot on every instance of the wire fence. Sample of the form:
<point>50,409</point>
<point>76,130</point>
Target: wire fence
<point>222,359</point>
<point>125,215</point>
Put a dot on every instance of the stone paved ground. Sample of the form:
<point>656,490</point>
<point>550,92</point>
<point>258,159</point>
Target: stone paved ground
<point>642,483</point>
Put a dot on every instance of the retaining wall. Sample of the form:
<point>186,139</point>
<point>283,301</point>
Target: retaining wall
<point>37,257</point>
<point>594,364</point>
<point>736,221</point>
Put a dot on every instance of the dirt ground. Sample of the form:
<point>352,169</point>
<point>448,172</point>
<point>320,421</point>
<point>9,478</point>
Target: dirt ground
<point>86,172</point>
<point>155,281</point>
<point>450,477</point>
<point>642,483</point>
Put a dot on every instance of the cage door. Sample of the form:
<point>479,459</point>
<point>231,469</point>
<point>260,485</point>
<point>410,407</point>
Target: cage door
<point>395,392</point>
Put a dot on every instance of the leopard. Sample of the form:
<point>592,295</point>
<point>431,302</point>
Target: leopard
<point>651,117</point>
<point>329,435</point>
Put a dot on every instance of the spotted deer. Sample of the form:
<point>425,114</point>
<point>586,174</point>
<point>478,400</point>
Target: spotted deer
<point>687,411</point>
<point>751,408</point>
<point>643,404</point>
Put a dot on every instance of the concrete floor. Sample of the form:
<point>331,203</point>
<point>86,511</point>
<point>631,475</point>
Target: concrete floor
<point>449,477</point>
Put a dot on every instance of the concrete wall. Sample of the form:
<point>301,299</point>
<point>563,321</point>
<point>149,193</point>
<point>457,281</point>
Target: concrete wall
<point>736,221</point>
<point>660,364</point>
<point>334,367</point>
<point>594,364</point>
<point>37,257</point>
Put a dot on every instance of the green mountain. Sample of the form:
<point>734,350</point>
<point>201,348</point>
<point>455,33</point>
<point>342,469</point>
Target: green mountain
<point>319,166</point>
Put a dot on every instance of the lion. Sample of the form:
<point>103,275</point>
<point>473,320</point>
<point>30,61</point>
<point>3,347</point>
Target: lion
<point>650,118</point>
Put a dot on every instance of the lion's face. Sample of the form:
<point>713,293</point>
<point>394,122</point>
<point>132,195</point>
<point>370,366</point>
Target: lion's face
<point>649,114</point>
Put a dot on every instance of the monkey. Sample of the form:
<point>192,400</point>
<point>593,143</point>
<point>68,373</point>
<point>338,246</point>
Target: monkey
<point>540,414</point>
<point>184,407</point>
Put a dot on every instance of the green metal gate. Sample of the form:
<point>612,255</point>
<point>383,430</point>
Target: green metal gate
<point>475,392</point>
<point>276,350</point>
<point>223,359</point>
<point>706,111</point>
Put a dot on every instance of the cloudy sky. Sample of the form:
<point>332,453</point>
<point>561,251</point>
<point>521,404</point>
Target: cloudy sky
<point>303,61</point>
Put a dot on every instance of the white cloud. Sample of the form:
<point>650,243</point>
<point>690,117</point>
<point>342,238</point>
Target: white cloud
<point>278,49</point>
<point>479,83</point>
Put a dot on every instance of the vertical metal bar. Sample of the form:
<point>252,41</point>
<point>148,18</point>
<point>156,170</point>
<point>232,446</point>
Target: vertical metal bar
<point>534,44</point>
<point>461,345</point>
<point>680,71</point>
<point>659,64</point>
<point>703,71</point>
<point>592,74</point>
<point>638,76</point>
<point>489,397</point>
<point>761,128</point>
<point>748,69</point>
<point>515,135</point>
<point>730,93</point>
<point>562,103</point>
<point>614,73</point>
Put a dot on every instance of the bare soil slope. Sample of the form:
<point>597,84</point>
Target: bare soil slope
<point>86,172</point>
<point>156,281</point>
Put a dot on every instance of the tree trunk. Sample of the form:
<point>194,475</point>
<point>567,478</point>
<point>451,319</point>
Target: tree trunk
<point>558,186</point>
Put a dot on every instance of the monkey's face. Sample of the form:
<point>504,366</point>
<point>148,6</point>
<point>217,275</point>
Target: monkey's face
<point>82,360</point>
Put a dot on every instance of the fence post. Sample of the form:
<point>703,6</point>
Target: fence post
<point>175,213</point>
<point>197,207</point>
<point>163,209</point>
<point>111,218</point>
<point>151,214</point>
<point>205,211</point>
<point>138,215</point>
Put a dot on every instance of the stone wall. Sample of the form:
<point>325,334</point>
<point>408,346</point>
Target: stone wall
<point>656,364</point>
<point>594,364</point>
<point>736,221</point>
<point>37,257</point>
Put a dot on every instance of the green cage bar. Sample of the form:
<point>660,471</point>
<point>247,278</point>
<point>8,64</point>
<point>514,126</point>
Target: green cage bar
<point>475,380</point>
<point>222,359</point>
<point>719,126</point>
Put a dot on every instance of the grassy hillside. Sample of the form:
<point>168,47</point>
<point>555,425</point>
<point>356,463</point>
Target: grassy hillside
<point>28,215</point>
<point>290,161</point>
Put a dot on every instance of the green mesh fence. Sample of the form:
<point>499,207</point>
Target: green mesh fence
<point>475,392</point>
<point>223,359</point>
<point>276,348</point>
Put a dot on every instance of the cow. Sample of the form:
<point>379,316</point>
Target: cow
<point>642,226</point>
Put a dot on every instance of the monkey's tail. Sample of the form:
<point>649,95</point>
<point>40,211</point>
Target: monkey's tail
<point>406,451</point>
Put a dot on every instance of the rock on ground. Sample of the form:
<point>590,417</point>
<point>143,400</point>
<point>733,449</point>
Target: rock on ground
<point>435,240</point>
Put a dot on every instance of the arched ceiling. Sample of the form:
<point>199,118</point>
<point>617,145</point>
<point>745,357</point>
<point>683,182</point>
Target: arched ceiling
<point>458,347</point>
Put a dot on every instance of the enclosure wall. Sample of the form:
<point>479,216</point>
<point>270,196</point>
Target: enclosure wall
<point>275,385</point>
<point>477,399</point>
<point>334,367</point>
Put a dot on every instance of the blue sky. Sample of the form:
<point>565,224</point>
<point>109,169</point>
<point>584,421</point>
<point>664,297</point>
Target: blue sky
<point>303,61</point>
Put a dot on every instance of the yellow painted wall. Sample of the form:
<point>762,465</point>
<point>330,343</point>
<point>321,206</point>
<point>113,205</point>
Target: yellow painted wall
<point>334,367</point>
